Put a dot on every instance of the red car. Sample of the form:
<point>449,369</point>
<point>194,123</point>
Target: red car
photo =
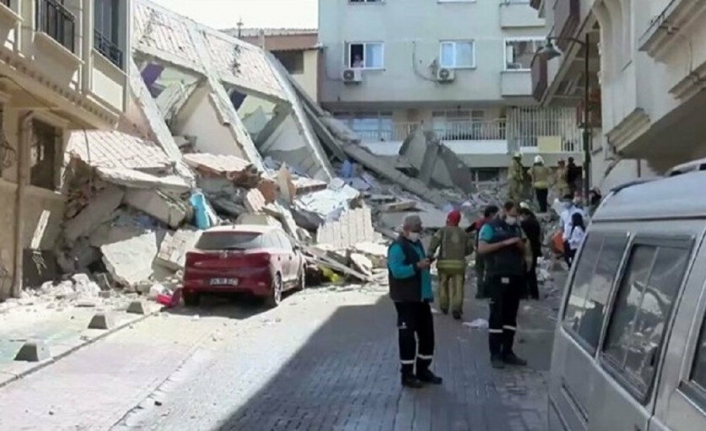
<point>256,259</point>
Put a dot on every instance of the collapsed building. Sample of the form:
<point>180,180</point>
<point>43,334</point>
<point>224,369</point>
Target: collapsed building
<point>215,131</point>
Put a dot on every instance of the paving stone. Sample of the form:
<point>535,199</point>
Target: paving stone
<point>33,351</point>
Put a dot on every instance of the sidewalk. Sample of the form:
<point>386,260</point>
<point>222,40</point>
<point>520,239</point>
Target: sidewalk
<point>60,324</point>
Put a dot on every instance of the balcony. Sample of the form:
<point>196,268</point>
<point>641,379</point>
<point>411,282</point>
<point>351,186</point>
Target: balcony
<point>518,14</point>
<point>57,22</point>
<point>539,77</point>
<point>450,130</point>
<point>516,83</point>
<point>567,17</point>
<point>108,49</point>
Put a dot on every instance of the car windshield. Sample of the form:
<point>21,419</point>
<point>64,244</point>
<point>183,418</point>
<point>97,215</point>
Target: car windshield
<point>230,241</point>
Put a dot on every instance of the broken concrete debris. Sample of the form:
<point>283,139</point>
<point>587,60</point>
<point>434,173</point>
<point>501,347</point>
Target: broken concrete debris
<point>235,141</point>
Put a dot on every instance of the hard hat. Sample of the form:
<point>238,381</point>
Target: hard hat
<point>524,205</point>
<point>538,159</point>
<point>517,155</point>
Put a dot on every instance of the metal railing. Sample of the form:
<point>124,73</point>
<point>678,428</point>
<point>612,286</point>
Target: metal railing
<point>526,126</point>
<point>452,130</point>
<point>54,19</point>
<point>108,49</point>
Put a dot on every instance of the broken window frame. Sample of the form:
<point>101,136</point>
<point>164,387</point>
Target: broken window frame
<point>510,55</point>
<point>455,63</point>
<point>349,56</point>
<point>363,124</point>
<point>45,153</point>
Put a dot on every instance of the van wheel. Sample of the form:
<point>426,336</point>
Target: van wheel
<point>191,299</point>
<point>275,296</point>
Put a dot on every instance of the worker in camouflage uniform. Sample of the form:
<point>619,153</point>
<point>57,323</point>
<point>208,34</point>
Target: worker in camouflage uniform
<point>560,182</point>
<point>453,244</point>
<point>516,177</point>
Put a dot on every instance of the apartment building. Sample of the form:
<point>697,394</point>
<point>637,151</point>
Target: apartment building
<point>459,68</point>
<point>62,68</point>
<point>297,50</point>
<point>647,64</point>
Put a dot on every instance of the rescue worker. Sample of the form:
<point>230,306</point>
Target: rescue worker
<point>562,187</point>
<point>454,244</point>
<point>491,211</point>
<point>540,182</point>
<point>501,241</point>
<point>411,292</point>
<point>573,176</point>
<point>516,178</point>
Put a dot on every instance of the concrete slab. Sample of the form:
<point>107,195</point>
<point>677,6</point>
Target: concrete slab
<point>172,252</point>
<point>130,260</point>
<point>353,227</point>
<point>100,209</point>
<point>157,205</point>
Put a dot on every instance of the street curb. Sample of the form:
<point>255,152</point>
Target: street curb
<point>71,350</point>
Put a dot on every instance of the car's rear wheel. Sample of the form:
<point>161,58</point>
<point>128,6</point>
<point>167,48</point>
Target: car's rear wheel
<point>275,296</point>
<point>301,282</point>
<point>191,299</point>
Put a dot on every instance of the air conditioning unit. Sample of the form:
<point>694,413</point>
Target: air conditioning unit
<point>352,76</point>
<point>445,75</point>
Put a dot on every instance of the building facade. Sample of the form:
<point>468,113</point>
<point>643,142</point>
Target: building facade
<point>459,68</point>
<point>297,50</point>
<point>62,68</point>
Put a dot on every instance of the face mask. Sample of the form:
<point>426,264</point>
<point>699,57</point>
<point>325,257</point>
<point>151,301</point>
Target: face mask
<point>413,236</point>
<point>510,220</point>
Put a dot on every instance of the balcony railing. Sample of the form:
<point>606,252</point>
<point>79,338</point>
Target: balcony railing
<point>108,49</point>
<point>54,19</point>
<point>452,130</point>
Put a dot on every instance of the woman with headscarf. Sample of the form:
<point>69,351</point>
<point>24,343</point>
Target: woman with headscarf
<point>453,244</point>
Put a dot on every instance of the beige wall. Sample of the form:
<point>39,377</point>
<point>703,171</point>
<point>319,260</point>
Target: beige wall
<point>309,80</point>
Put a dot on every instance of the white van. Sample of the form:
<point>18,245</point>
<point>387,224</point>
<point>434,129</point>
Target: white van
<point>630,347</point>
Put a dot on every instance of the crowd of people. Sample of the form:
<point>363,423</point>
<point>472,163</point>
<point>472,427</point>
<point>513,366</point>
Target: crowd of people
<point>507,242</point>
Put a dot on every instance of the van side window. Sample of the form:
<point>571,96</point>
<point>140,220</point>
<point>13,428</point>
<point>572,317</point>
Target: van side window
<point>596,270</point>
<point>642,310</point>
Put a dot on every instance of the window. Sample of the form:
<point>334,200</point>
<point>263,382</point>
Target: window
<point>45,151</point>
<point>458,54</point>
<point>213,241</point>
<point>590,289</point>
<point>642,309</point>
<point>54,19</point>
<point>107,30</point>
<point>698,371</point>
<point>293,61</point>
<point>286,243</point>
<point>520,52</point>
<point>370,126</point>
<point>483,175</point>
<point>367,55</point>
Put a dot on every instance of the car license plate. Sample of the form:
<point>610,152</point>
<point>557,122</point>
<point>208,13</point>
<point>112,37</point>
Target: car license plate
<point>224,282</point>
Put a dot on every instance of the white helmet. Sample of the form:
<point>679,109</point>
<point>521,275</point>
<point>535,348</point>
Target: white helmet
<point>538,160</point>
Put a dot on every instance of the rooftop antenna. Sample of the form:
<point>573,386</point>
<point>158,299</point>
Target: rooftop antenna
<point>240,27</point>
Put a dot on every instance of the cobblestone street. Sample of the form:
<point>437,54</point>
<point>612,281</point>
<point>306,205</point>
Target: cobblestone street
<point>324,360</point>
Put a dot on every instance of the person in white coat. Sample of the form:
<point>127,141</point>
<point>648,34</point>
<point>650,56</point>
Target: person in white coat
<point>577,233</point>
<point>570,207</point>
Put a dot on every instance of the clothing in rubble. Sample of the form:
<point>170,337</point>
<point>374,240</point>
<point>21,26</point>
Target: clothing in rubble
<point>411,291</point>
<point>453,244</point>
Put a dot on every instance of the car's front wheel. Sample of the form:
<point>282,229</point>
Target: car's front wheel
<point>275,296</point>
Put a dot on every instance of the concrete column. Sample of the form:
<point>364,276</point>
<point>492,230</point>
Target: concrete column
<point>24,143</point>
<point>86,26</point>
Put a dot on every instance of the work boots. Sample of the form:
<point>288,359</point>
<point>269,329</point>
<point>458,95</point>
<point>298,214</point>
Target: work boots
<point>512,359</point>
<point>410,381</point>
<point>426,376</point>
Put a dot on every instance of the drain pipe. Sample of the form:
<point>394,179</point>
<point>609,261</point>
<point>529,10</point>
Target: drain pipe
<point>23,148</point>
